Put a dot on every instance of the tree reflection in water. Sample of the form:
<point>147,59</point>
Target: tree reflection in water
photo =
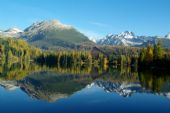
<point>52,83</point>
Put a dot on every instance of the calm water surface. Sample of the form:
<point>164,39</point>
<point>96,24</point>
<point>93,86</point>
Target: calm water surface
<point>72,91</point>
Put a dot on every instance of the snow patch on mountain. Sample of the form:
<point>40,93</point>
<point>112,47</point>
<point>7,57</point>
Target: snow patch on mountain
<point>127,35</point>
<point>123,39</point>
<point>42,27</point>
<point>93,39</point>
<point>167,36</point>
<point>11,32</point>
<point>51,24</point>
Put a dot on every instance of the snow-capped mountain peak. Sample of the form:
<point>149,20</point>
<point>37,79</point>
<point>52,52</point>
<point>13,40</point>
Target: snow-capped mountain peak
<point>167,36</point>
<point>127,35</point>
<point>125,38</point>
<point>13,31</point>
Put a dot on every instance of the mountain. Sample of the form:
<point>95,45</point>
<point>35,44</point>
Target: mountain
<point>11,32</point>
<point>54,35</point>
<point>165,41</point>
<point>125,39</point>
<point>167,36</point>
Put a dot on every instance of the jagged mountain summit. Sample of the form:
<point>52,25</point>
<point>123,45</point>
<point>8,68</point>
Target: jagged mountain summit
<point>123,39</point>
<point>130,39</point>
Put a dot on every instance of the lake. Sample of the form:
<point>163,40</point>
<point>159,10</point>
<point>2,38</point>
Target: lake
<point>40,89</point>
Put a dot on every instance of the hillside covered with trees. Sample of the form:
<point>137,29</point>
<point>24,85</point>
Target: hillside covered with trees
<point>14,50</point>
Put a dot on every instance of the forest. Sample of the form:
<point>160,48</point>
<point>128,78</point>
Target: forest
<point>154,57</point>
<point>14,50</point>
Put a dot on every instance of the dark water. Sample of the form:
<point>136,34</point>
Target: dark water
<point>35,89</point>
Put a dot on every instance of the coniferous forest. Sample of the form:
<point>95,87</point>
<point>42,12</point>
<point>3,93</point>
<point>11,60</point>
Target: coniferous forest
<point>17,50</point>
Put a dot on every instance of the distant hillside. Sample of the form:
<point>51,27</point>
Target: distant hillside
<point>55,35</point>
<point>165,42</point>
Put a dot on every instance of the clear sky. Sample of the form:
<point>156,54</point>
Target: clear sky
<point>93,17</point>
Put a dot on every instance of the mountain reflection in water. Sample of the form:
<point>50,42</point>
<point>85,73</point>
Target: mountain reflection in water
<point>51,84</point>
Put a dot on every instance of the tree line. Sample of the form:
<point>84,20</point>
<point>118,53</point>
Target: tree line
<point>72,58</point>
<point>14,50</point>
<point>150,56</point>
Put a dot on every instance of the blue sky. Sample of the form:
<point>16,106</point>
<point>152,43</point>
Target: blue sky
<point>93,17</point>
